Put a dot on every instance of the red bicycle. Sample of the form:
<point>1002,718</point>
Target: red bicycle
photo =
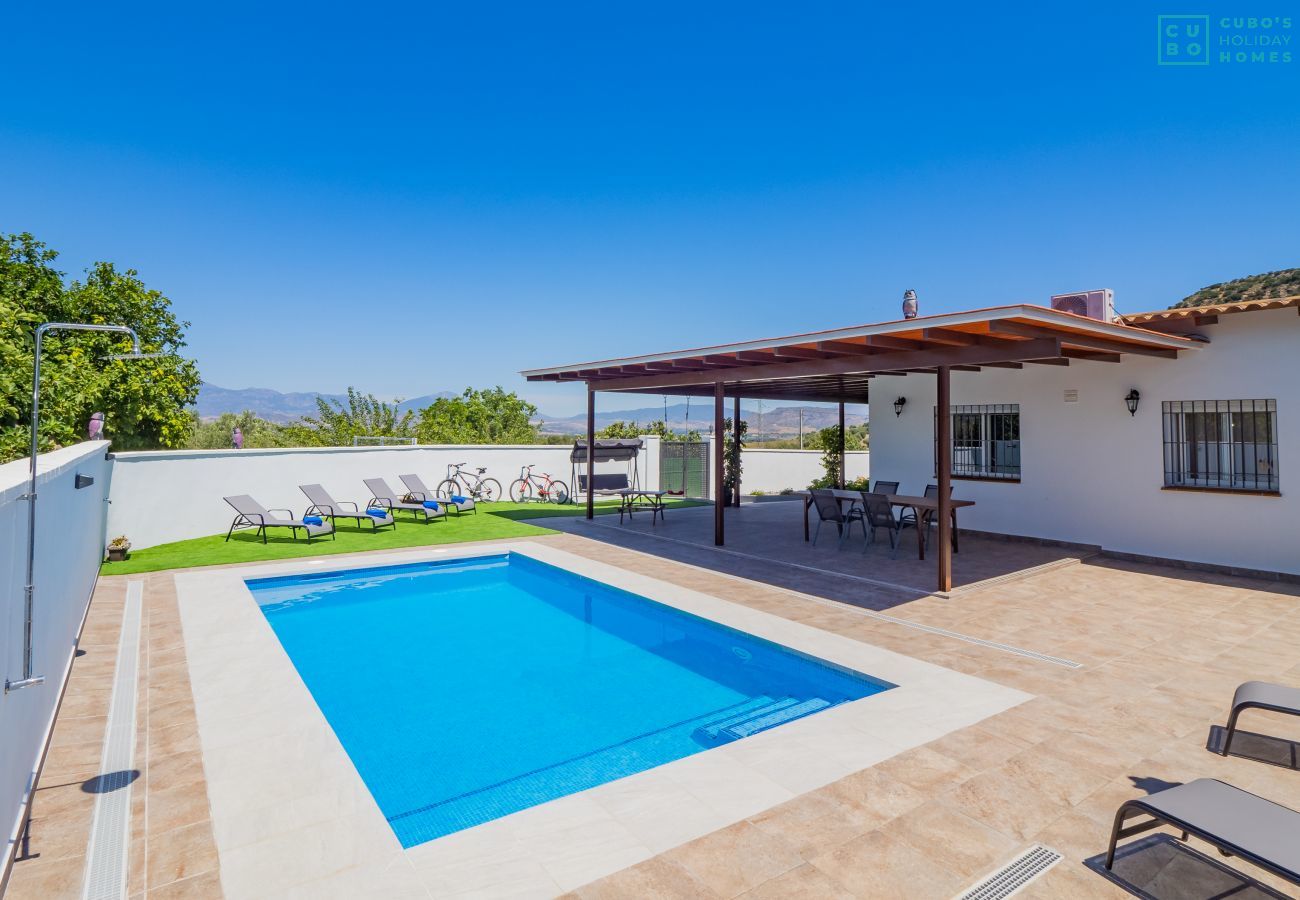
<point>546,488</point>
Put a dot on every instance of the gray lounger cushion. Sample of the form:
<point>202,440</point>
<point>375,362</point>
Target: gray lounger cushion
<point>327,505</point>
<point>415,484</point>
<point>1260,695</point>
<point>257,514</point>
<point>1245,825</point>
<point>380,490</point>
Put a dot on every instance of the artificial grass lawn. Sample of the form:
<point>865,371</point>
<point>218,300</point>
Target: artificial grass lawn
<point>492,521</point>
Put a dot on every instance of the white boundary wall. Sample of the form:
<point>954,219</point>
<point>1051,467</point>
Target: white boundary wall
<point>171,495</point>
<point>1093,474</point>
<point>771,471</point>
<point>69,548</point>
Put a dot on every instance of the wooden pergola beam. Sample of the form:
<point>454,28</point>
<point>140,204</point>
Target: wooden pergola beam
<point>1087,342</point>
<point>844,348</point>
<point>797,353</point>
<point>1009,351</point>
<point>1091,355</point>
<point>948,336</point>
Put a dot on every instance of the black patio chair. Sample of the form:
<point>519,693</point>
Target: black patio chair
<point>830,510</point>
<point>931,493</point>
<point>879,513</point>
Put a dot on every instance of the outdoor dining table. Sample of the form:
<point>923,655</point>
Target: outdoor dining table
<point>924,508</point>
<point>632,499</point>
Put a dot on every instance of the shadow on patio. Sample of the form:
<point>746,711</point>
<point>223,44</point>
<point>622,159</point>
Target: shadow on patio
<point>764,541</point>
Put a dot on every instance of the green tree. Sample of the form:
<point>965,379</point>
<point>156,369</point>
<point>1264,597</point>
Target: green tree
<point>335,425</point>
<point>621,429</point>
<point>488,416</point>
<point>144,401</point>
<point>731,453</point>
<point>828,441</point>
<point>215,435</point>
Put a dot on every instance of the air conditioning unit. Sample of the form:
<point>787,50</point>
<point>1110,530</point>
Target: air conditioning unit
<point>1093,304</point>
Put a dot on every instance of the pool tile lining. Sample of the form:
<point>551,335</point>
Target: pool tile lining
<point>560,844</point>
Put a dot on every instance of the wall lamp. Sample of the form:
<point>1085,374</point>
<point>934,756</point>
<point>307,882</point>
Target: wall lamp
<point>898,406</point>
<point>1131,401</point>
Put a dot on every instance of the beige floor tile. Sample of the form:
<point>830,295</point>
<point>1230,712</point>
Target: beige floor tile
<point>655,879</point>
<point>1005,804</point>
<point>735,859</point>
<point>180,854</point>
<point>969,847</point>
<point>807,882</point>
<point>881,867</point>
<point>927,770</point>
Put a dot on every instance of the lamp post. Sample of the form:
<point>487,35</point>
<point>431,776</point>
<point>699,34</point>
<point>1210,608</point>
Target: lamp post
<point>28,679</point>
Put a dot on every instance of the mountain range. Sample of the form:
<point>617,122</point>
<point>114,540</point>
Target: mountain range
<point>281,407</point>
<point>781,420</point>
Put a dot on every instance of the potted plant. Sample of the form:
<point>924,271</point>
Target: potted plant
<point>118,548</point>
<point>731,459</point>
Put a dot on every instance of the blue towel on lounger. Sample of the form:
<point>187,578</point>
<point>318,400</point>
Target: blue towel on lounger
<point>432,504</point>
<point>377,513</point>
<point>456,498</point>
<point>313,520</point>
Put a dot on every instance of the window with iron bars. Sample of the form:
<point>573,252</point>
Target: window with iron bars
<point>985,441</point>
<point>1221,444</point>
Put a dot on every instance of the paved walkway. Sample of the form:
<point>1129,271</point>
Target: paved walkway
<point>1161,651</point>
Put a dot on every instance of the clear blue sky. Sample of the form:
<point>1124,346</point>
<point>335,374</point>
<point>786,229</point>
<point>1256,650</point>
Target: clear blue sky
<point>440,195</point>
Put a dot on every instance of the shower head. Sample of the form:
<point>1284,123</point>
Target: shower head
<point>134,355</point>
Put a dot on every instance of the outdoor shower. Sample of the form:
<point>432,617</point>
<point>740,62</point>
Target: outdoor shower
<point>29,591</point>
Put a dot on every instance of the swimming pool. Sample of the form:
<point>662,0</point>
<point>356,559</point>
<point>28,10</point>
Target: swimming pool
<point>469,689</point>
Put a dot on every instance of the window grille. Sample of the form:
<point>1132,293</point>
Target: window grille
<point>985,441</point>
<point>1223,444</point>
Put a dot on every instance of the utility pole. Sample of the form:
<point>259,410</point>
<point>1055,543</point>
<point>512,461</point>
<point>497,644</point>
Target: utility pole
<point>801,428</point>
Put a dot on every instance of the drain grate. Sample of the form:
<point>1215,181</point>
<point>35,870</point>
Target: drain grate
<point>110,828</point>
<point>1014,875</point>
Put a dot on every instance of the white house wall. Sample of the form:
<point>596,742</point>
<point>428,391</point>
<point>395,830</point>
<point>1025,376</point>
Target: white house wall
<point>1092,474</point>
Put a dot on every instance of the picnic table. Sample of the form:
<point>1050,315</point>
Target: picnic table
<point>630,499</point>
<point>924,508</point>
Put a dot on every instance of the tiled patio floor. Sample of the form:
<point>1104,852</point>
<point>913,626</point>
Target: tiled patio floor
<point>1161,650</point>
<point>764,542</point>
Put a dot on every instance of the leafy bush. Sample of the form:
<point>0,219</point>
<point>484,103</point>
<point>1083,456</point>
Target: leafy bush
<point>144,401</point>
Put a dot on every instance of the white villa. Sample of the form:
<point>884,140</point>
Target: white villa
<point>1115,544</point>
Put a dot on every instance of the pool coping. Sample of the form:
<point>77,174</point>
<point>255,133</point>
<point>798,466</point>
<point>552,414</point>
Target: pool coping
<point>292,815</point>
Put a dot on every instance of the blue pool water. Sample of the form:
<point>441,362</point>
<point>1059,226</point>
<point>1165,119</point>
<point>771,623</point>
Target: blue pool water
<point>470,689</point>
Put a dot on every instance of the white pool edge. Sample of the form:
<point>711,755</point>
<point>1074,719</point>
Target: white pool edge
<point>292,815</point>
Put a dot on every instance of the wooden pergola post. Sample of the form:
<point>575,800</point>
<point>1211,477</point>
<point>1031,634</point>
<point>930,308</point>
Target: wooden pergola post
<point>735,435</point>
<point>943,402</point>
<point>591,450</point>
<point>719,442</point>
<point>843,479</point>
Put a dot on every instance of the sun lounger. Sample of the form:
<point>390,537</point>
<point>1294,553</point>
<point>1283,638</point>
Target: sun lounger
<point>416,486</point>
<point>253,515</point>
<point>382,495</point>
<point>1260,695</point>
<point>322,504</point>
<point>1239,823</point>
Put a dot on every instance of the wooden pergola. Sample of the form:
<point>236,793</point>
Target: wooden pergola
<point>837,366</point>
